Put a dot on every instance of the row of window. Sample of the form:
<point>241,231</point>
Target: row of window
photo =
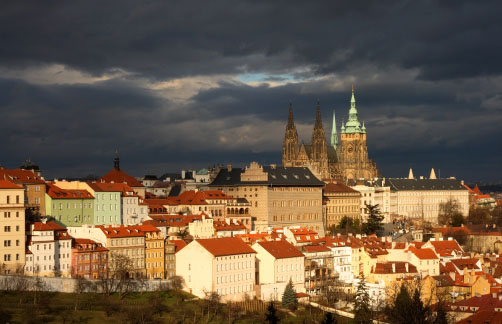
<point>234,278</point>
<point>16,200</point>
<point>7,257</point>
<point>233,290</point>
<point>7,229</point>
<point>232,266</point>
<point>288,267</point>
<point>131,241</point>
<point>8,214</point>
<point>309,216</point>
<point>296,203</point>
<point>7,243</point>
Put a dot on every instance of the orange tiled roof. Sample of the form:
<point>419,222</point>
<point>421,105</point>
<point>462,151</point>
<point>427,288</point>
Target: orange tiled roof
<point>178,245</point>
<point>469,263</point>
<point>334,187</point>
<point>49,226</point>
<point>119,176</point>
<point>7,184</point>
<point>446,248</point>
<point>223,226</point>
<point>424,254</point>
<point>20,176</point>
<point>58,193</point>
<point>281,249</point>
<point>121,231</point>
<point>112,187</point>
<point>225,246</point>
<point>399,267</point>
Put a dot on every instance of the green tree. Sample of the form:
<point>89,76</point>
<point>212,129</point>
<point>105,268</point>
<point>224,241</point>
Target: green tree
<point>271,314</point>
<point>362,310</point>
<point>457,219</point>
<point>406,308</point>
<point>289,299</point>
<point>375,218</point>
<point>497,215</point>
<point>448,211</point>
<point>329,319</point>
<point>479,215</point>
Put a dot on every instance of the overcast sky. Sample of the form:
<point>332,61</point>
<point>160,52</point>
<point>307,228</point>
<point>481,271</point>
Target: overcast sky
<point>189,84</point>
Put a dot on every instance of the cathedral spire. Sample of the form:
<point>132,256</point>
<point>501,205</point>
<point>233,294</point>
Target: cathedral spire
<point>318,120</point>
<point>353,125</point>
<point>291,122</point>
<point>334,135</point>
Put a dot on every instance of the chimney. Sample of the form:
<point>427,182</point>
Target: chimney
<point>406,267</point>
<point>494,295</point>
<point>229,167</point>
<point>182,174</point>
<point>393,268</point>
<point>273,166</point>
<point>500,297</point>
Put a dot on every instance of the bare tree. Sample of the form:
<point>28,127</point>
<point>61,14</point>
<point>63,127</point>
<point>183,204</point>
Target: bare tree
<point>118,277</point>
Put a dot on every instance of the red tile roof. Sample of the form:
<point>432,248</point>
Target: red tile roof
<point>334,187</point>
<point>121,231</point>
<point>235,225</point>
<point>469,263</point>
<point>446,248</point>
<point>58,193</point>
<point>7,184</point>
<point>482,317</point>
<point>399,267</point>
<point>175,220</point>
<point>20,176</point>
<point>178,245</point>
<point>281,249</point>
<point>255,237</point>
<point>112,187</point>
<point>85,245</point>
<point>119,176</point>
<point>424,254</point>
<point>225,246</point>
<point>49,226</point>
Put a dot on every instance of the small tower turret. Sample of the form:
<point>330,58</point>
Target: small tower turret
<point>116,160</point>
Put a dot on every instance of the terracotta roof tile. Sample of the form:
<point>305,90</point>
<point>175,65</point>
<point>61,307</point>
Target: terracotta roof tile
<point>424,254</point>
<point>393,267</point>
<point>58,193</point>
<point>7,184</point>
<point>49,226</point>
<point>21,176</point>
<point>119,176</point>
<point>281,249</point>
<point>225,246</point>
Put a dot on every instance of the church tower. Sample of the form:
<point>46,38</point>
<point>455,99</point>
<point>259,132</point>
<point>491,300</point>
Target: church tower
<point>334,135</point>
<point>290,145</point>
<point>319,149</point>
<point>353,151</point>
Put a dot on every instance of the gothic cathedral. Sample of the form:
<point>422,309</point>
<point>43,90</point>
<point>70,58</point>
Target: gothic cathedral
<point>347,159</point>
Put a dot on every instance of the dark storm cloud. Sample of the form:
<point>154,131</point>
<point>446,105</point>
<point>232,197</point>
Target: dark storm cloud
<point>427,77</point>
<point>443,39</point>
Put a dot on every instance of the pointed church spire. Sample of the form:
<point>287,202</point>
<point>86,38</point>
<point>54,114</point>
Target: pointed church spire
<point>318,121</point>
<point>116,160</point>
<point>433,174</point>
<point>410,175</point>
<point>334,135</point>
<point>291,122</point>
<point>353,125</point>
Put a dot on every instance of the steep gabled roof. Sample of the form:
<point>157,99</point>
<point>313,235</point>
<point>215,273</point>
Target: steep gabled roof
<point>7,184</point>
<point>119,176</point>
<point>49,226</point>
<point>423,254</point>
<point>225,246</point>
<point>281,249</point>
<point>20,176</point>
<point>394,267</point>
<point>56,192</point>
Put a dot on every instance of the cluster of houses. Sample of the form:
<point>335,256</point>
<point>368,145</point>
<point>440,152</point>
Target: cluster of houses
<point>245,232</point>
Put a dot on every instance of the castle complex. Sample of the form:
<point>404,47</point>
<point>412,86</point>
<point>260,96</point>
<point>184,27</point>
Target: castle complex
<point>345,159</point>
